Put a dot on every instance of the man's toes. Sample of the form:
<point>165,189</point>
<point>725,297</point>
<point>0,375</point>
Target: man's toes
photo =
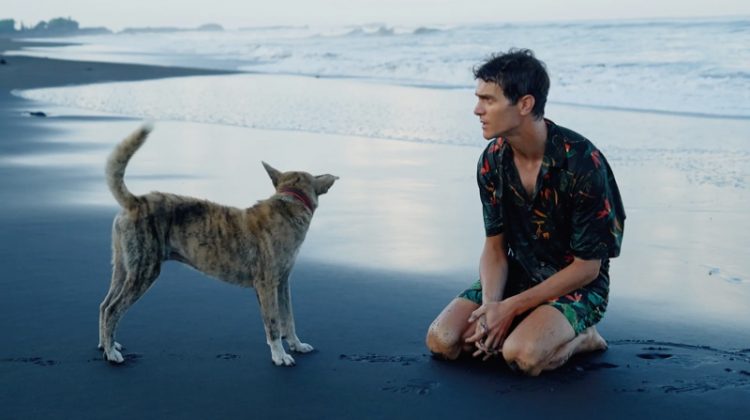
<point>594,341</point>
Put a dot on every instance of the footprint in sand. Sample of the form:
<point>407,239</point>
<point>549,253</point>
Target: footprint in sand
<point>414,386</point>
<point>405,360</point>
<point>654,356</point>
<point>31,360</point>
<point>728,277</point>
<point>683,368</point>
<point>227,356</point>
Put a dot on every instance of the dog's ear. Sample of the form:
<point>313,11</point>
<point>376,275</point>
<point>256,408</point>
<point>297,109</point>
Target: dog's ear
<point>273,173</point>
<point>323,182</point>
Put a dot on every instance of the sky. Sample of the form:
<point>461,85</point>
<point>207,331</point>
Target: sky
<point>118,14</point>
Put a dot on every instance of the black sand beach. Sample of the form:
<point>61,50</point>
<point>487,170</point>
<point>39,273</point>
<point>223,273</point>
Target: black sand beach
<point>195,347</point>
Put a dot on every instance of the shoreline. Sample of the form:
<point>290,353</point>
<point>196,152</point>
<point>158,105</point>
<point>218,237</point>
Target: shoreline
<point>23,72</point>
<point>191,333</point>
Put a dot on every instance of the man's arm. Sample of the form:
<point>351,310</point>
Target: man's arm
<point>493,268</point>
<point>499,315</point>
<point>573,277</point>
<point>493,274</point>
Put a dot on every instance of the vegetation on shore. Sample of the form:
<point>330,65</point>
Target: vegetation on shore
<point>68,27</point>
<point>55,27</point>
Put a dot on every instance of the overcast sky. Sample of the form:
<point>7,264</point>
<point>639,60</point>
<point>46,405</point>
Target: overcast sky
<point>117,14</point>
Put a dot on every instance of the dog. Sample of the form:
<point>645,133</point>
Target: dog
<point>252,247</point>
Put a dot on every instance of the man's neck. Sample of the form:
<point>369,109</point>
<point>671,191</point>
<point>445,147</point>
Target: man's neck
<point>530,141</point>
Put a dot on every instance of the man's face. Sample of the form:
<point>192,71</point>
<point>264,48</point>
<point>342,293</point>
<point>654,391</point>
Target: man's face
<point>498,117</point>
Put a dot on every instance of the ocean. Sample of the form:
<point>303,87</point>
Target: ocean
<point>416,84</point>
<point>694,67</point>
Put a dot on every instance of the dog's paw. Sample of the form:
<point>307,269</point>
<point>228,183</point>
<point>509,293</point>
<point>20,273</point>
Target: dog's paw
<point>282,359</point>
<point>301,347</point>
<point>113,356</point>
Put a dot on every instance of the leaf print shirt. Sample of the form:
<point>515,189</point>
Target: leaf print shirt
<point>576,209</point>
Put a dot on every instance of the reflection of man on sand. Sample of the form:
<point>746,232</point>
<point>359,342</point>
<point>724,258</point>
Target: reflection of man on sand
<point>553,217</point>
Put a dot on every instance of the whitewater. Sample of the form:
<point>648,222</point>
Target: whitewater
<point>698,67</point>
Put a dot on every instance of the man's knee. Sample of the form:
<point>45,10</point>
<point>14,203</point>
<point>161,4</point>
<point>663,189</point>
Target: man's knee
<point>442,342</point>
<point>524,356</point>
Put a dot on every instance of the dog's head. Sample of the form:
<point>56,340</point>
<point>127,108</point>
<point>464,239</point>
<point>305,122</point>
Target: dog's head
<point>311,185</point>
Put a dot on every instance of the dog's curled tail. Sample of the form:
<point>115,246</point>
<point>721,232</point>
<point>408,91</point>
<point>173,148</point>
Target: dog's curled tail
<point>117,162</point>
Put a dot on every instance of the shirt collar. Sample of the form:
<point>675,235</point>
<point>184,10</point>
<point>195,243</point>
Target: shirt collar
<point>554,150</point>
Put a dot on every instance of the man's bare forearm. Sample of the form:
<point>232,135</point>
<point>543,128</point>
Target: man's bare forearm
<point>570,278</point>
<point>493,269</point>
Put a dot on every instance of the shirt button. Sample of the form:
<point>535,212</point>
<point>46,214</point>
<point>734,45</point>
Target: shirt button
<point>542,264</point>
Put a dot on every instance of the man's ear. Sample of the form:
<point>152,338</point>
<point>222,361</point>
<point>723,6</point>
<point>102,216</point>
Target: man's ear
<point>323,182</point>
<point>526,104</point>
<point>273,173</point>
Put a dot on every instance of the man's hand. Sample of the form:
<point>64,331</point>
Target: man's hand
<point>480,330</point>
<point>493,321</point>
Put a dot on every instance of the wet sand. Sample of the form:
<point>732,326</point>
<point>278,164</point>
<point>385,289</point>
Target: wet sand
<point>195,347</point>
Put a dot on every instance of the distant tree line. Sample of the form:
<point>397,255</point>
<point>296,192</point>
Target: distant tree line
<point>55,27</point>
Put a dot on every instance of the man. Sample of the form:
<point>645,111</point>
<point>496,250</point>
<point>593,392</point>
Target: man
<point>553,218</point>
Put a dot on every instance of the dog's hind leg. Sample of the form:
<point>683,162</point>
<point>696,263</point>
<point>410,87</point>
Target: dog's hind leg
<point>115,286</point>
<point>287,319</point>
<point>118,278</point>
<point>268,297</point>
<point>137,282</point>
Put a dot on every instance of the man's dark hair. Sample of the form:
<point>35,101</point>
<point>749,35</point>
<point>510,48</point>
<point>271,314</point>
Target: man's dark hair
<point>518,73</point>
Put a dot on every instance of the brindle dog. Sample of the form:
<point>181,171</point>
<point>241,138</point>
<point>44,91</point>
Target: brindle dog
<point>253,247</point>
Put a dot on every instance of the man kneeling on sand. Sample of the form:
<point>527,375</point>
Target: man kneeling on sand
<point>553,218</point>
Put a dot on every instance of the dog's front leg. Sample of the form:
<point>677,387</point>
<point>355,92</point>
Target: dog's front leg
<point>287,315</point>
<point>269,308</point>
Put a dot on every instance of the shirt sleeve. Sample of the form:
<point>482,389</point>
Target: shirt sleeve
<point>490,182</point>
<point>598,215</point>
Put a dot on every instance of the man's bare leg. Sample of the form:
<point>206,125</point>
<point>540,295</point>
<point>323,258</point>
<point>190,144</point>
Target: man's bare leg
<point>545,340</point>
<point>588,340</point>
<point>448,332</point>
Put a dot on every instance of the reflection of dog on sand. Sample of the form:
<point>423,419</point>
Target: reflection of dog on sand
<point>254,247</point>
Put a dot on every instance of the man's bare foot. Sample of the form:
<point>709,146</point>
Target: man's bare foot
<point>592,341</point>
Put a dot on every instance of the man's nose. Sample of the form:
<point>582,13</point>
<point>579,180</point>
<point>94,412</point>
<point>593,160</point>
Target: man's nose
<point>478,109</point>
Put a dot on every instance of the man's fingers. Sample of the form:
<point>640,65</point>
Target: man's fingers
<point>480,330</point>
<point>477,313</point>
<point>485,352</point>
<point>482,351</point>
<point>475,337</point>
<point>492,340</point>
